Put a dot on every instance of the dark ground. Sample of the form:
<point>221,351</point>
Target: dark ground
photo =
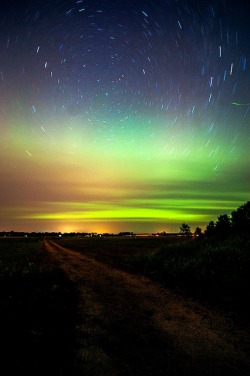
<point>67,313</point>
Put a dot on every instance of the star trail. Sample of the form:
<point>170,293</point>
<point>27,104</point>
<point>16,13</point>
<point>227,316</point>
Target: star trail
<point>123,116</point>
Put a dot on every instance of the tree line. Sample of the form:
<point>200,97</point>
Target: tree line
<point>225,226</point>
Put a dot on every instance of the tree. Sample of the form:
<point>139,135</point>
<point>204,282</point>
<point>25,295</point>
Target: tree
<point>210,229</point>
<point>185,229</point>
<point>198,232</point>
<point>223,226</point>
<point>241,219</point>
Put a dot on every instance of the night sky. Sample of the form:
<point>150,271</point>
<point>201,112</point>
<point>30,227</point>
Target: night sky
<point>123,115</point>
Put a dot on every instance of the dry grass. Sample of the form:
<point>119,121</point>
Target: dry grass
<point>68,312</point>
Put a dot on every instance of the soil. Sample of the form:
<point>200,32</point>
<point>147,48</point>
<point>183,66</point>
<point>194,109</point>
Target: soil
<point>127,324</point>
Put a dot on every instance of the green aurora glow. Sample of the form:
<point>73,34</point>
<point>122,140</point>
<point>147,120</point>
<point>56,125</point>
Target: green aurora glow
<point>131,119</point>
<point>78,181</point>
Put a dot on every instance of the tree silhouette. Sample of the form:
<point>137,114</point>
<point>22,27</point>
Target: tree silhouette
<point>241,219</point>
<point>185,229</point>
<point>198,232</point>
<point>210,229</point>
<point>223,226</point>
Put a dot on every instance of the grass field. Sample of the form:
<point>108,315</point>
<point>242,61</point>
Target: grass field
<point>216,273</point>
<point>37,300</point>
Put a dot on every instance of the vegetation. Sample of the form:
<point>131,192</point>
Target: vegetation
<point>37,301</point>
<point>213,266</point>
<point>226,226</point>
<point>185,229</point>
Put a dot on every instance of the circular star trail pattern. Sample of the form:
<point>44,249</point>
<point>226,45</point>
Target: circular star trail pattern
<point>123,116</point>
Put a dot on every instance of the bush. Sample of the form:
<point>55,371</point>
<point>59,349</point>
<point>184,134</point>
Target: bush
<point>215,272</point>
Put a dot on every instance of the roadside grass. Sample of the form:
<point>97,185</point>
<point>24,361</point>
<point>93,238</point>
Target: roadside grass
<point>216,273</point>
<point>38,303</point>
<point>213,271</point>
<point>116,251</point>
<point>37,310</point>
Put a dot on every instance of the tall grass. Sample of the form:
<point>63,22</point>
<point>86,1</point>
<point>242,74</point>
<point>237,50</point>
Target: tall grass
<point>215,272</point>
<point>37,310</point>
<point>19,256</point>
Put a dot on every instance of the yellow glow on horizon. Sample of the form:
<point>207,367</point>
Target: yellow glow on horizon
<point>67,176</point>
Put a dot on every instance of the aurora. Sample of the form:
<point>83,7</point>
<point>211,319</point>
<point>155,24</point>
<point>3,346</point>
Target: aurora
<point>123,117</point>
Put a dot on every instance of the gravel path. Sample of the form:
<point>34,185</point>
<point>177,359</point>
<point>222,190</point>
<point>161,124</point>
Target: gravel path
<point>130,325</point>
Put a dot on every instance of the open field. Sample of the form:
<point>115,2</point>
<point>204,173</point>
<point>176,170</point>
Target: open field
<point>215,273</point>
<point>37,301</point>
<point>83,307</point>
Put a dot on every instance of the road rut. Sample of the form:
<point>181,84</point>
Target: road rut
<point>129,325</point>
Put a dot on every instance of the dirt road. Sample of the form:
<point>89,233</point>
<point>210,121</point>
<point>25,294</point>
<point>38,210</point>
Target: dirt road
<point>130,325</point>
